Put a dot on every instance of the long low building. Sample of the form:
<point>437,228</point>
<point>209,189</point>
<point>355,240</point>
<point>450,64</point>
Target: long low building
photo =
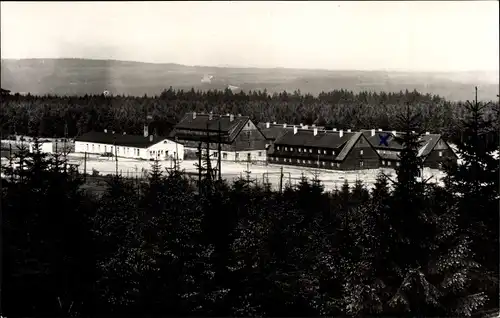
<point>326,149</point>
<point>346,150</point>
<point>147,147</point>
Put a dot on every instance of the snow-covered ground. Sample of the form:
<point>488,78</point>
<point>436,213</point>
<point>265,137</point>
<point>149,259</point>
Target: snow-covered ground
<point>233,170</point>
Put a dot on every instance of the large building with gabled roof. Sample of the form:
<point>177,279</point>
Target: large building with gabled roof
<point>325,149</point>
<point>239,138</point>
<point>434,150</point>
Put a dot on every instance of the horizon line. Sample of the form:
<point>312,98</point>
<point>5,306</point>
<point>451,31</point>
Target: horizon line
<point>255,67</point>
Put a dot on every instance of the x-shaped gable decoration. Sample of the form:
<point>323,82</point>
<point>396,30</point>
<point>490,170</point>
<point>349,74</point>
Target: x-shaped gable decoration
<point>383,139</point>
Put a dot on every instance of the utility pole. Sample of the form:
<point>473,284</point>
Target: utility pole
<point>219,154</point>
<point>64,147</point>
<point>85,167</point>
<point>199,166</point>
<point>116,158</point>
<point>281,179</point>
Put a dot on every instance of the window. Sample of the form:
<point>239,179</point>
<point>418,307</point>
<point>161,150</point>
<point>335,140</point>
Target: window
<point>361,163</point>
<point>286,148</point>
<point>361,152</point>
<point>308,161</point>
<point>118,149</point>
<point>383,162</point>
<point>299,149</point>
<point>322,163</point>
<point>324,152</point>
<point>99,147</point>
<point>237,156</point>
<point>319,151</point>
<point>260,154</point>
<point>333,152</point>
<point>248,125</point>
<point>310,151</point>
<point>87,147</point>
<point>360,141</point>
<point>331,164</point>
<point>277,147</point>
<point>215,154</point>
<point>397,163</point>
<point>224,155</point>
<point>291,149</point>
<point>111,148</point>
<point>338,165</point>
<point>93,147</point>
<point>388,163</point>
<point>440,153</point>
<point>105,148</point>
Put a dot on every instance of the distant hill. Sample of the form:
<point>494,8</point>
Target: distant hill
<point>84,76</point>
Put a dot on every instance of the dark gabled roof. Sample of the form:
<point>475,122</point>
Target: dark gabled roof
<point>4,91</point>
<point>348,146</point>
<point>375,140</point>
<point>274,131</point>
<point>202,122</point>
<point>428,143</point>
<point>306,138</point>
<point>136,141</point>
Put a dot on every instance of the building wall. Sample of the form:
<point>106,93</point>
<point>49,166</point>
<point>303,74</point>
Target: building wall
<point>250,138</point>
<point>253,155</point>
<point>160,150</point>
<point>437,157</point>
<point>361,156</point>
<point>165,149</point>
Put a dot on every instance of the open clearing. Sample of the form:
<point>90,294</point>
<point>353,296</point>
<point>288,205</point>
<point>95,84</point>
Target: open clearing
<point>233,170</point>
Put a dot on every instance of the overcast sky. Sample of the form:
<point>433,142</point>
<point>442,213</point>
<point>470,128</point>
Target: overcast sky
<point>421,36</point>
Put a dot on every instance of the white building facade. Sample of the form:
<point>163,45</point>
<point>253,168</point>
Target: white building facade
<point>155,148</point>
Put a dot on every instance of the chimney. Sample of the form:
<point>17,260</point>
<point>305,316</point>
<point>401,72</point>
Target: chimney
<point>373,132</point>
<point>105,131</point>
<point>315,131</point>
<point>348,130</point>
<point>146,133</point>
<point>284,125</point>
<point>427,133</point>
<point>231,117</point>
<point>210,116</point>
<point>394,132</point>
<point>334,129</point>
<point>151,138</point>
<point>295,129</point>
<point>379,129</point>
<point>341,133</point>
<point>268,124</point>
<point>194,115</point>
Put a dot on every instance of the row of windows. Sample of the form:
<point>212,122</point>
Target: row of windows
<point>310,150</point>
<point>124,150</point>
<point>322,163</point>
<point>237,155</point>
<point>389,163</point>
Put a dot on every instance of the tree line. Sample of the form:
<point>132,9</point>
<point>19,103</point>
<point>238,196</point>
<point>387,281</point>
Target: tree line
<point>406,248</point>
<point>50,116</point>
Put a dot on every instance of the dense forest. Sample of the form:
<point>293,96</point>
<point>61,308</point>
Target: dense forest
<point>47,116</point>
<point>404,249</point>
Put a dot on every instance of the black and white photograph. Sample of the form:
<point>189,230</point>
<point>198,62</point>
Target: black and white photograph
<point>249,159</point>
